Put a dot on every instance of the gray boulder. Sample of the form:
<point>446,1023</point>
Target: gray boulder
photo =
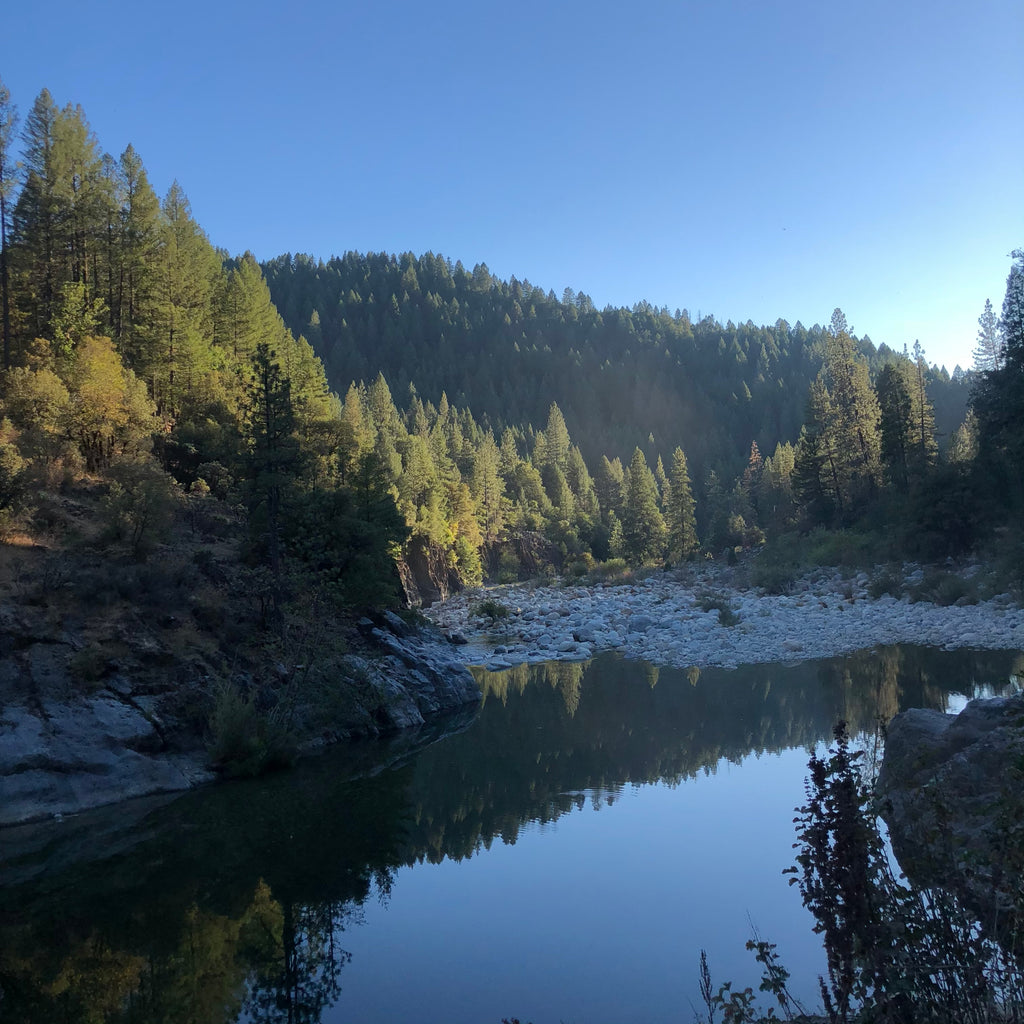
<point>65,757</point>
<point>950,790</point>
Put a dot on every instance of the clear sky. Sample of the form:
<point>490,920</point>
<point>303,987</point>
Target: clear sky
<point>745,158</point>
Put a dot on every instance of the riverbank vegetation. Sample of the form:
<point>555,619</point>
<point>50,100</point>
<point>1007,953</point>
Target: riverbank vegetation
<point>896,953</point>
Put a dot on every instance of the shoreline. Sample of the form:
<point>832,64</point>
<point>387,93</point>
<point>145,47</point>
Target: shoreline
<point>661,619</point>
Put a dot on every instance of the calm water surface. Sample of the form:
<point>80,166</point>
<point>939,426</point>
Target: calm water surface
<point>563,855</point>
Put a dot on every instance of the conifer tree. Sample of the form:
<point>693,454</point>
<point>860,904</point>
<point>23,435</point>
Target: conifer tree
<point>556,435</point>
<point>998,400</point>
<point>8,126</point>
<point>487,488</point>
<point>988,353</point>
<point>681,511</point>
<point>609,484</point>
<point>895,421</point>
<point>177,358</point>
<point>137,263</point>
<point>582,486</point>
<point>643,528</point>
<point>274,463</point>
<point>34,237</point>
<point>925,450</point>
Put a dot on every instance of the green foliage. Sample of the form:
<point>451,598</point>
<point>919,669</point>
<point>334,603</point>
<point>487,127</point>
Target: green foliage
<point>490,609</point>
<point>846,548</point>
<point>643,528</point>
<point>943,518</point>
<point>709,602</point>
<point>886,581</point>
<point>895,954</point>
<point>245,741</point>
<point>945,589</point>
<point>779,565</point>
<point>139,506</point>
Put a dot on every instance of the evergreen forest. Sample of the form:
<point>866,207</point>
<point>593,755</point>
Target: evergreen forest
<point>375,411</point>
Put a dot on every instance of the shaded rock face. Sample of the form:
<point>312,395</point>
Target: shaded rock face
<point>63,757</point>
<point>416,676</point>
<point>425,574</point>
<point>63,752</point>
<point>951,794</point>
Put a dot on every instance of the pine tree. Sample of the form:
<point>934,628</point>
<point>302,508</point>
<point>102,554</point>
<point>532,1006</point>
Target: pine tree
<point>681,511</point>
<point>274,465</point>
<point>557,437</point>
<point>1011,323</point>
<point>34,238</point>
<point>924,449</point>
<point>136,273</point>
<point>643,528</point>
<point>8,126</point>
<point>609,484</point>
<point>487,488</point>
<point>177,357</point>
<point>988,353</point>
<point>998,401</point>
<point>895,422</point>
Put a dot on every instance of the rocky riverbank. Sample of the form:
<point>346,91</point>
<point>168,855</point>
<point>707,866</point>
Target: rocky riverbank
<point>714,617</point>
<point>143,727</point>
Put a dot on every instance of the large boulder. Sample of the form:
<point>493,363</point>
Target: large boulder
<point>951,794</point>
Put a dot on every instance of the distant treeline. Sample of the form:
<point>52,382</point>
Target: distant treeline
<point>622,377</point>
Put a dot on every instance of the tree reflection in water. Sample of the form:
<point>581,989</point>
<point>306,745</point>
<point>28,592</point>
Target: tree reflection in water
<point>232,903</point>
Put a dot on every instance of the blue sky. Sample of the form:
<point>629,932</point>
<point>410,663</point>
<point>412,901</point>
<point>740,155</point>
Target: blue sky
<point>746,159</point>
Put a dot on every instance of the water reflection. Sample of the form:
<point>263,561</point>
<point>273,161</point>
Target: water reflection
<point>234,903</point>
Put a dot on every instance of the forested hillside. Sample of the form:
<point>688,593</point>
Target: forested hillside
<point>621,377</point>
<point>486,427</point>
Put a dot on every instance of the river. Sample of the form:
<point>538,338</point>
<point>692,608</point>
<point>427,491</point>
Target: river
<point>563,854</point>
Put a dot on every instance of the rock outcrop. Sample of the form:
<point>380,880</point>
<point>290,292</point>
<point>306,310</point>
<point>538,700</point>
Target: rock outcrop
<point>63,750</point>
<point>426,574</point>
<point>62,757</point>
<point>951,794</point>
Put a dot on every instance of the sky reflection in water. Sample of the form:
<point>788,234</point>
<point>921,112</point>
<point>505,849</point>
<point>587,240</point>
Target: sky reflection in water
<point>563,855</point>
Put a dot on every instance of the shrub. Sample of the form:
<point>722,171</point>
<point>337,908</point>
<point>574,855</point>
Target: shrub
<point>847,548</point>
<point>774,575</point>
<point>508,566</point>
<point>490,609</point>
<point>945,589</point>
<point>244,741</point>
<point>708,602</point>
<point>886,581</point>
<point>139,505</point>
<point>613,569</point>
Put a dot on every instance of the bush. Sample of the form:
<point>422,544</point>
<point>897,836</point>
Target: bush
<point>709,602</point>
<point>245,742</point>
<point>580,566</point>
<point>778,566</point>
<point>886,581</point>
<point>508,566</point>
<point>945,589</point>
<point>846,548</point>
<point>613,569</point>
<point>490,609</point>
<point>139,505</point>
